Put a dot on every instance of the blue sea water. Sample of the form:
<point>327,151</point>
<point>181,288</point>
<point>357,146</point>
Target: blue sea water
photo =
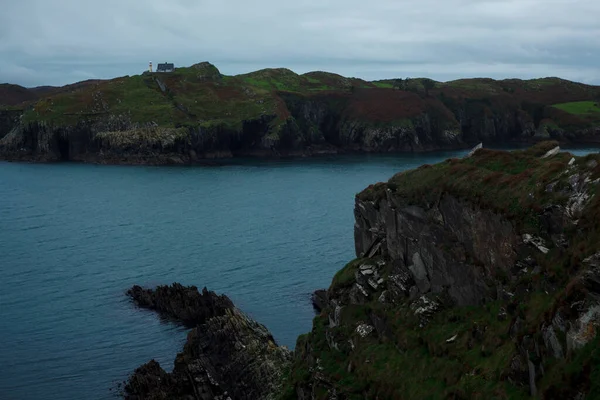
<point>74,237</point>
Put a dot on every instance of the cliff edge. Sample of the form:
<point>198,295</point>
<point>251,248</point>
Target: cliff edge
<point>476,278</point>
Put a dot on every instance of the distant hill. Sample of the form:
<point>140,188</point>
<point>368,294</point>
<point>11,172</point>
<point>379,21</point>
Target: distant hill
<point>11,95</point>
<point>276,111</point>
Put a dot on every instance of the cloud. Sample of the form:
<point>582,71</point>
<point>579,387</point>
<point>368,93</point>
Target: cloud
<point>62,41</point>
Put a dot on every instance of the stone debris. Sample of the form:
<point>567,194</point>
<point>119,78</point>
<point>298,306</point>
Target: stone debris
<point>362,290</point>
<point>572,161</point>
<point>401,281</point>
<point>502,315</point>
<point>424,308</point>
<point>364,330</point>
<point>538,242</point>
<point>452,339</point>
<point>552,152</point>
<point>584,329</point>
<point>373,284</point>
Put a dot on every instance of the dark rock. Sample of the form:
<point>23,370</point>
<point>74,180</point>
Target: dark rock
<point>481,242</point>
<point>227,354</point>
<point>319,300</point>
<point>184,304</point>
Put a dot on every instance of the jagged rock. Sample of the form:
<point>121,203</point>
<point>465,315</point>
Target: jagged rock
<point>184,304</point>
<point>227,355</point>
<point>319,299</point>
<point>364,330</point>
<point>490,238</point>
<point>552,342</point>
<point>420,273</point>
<point>584,328</point>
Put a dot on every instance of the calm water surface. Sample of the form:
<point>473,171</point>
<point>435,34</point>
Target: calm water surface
<point>74,237</point>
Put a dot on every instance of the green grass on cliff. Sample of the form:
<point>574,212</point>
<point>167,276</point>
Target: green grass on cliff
<point>201,96</point>
<point>405,360</point>
<point>591,108</point>
<point>512,183</point>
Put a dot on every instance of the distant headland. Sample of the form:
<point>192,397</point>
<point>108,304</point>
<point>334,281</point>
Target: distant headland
<point>187,115</point>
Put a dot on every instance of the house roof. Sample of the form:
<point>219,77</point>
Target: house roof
<point>165,66</point>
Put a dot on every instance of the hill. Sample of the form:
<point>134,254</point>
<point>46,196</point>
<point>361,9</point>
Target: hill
<point>196,113</point>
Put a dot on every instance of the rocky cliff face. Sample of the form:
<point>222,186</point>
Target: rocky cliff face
<point>197,114</point>
<point>227,355</point>
<point>475,278</point>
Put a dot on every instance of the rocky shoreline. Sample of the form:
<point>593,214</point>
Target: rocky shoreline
<point>227,354</point>
<point>474,278</point>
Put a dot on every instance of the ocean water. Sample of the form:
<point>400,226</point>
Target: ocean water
<point>74,237</point>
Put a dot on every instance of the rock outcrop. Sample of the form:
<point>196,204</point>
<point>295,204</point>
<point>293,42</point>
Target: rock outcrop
<point>227,354</point>
<point>475,278</point>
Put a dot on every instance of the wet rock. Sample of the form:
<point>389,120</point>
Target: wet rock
<point>227,355</point>
<point>184,304</point>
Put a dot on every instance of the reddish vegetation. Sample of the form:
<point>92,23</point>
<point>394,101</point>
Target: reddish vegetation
<point>385,105</point>
<point>13,95</point>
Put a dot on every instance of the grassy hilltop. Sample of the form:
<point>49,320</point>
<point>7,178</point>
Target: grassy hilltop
<point>200,94</point>
<point>276,111</point>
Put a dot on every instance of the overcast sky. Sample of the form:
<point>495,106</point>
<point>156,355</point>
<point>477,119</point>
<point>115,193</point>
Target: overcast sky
<point>55,42</point>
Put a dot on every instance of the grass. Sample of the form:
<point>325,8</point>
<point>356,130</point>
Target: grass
<point>591,108</point>
<point>512,183</point>
<point>408,361</point>
<point>200,95</point>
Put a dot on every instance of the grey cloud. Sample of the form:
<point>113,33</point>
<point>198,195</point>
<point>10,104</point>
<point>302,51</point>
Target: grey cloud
<point>62,41</point>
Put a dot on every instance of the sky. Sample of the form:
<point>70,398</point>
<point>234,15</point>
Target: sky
<point>56,42</point>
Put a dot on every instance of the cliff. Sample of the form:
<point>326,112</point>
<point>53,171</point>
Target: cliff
<point>475,278</point>
<point>197,113</point>
<point>227,354</point>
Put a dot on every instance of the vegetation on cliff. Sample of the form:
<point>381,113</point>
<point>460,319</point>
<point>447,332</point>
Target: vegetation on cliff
<point>477,278</point>
<point>278,111</point>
